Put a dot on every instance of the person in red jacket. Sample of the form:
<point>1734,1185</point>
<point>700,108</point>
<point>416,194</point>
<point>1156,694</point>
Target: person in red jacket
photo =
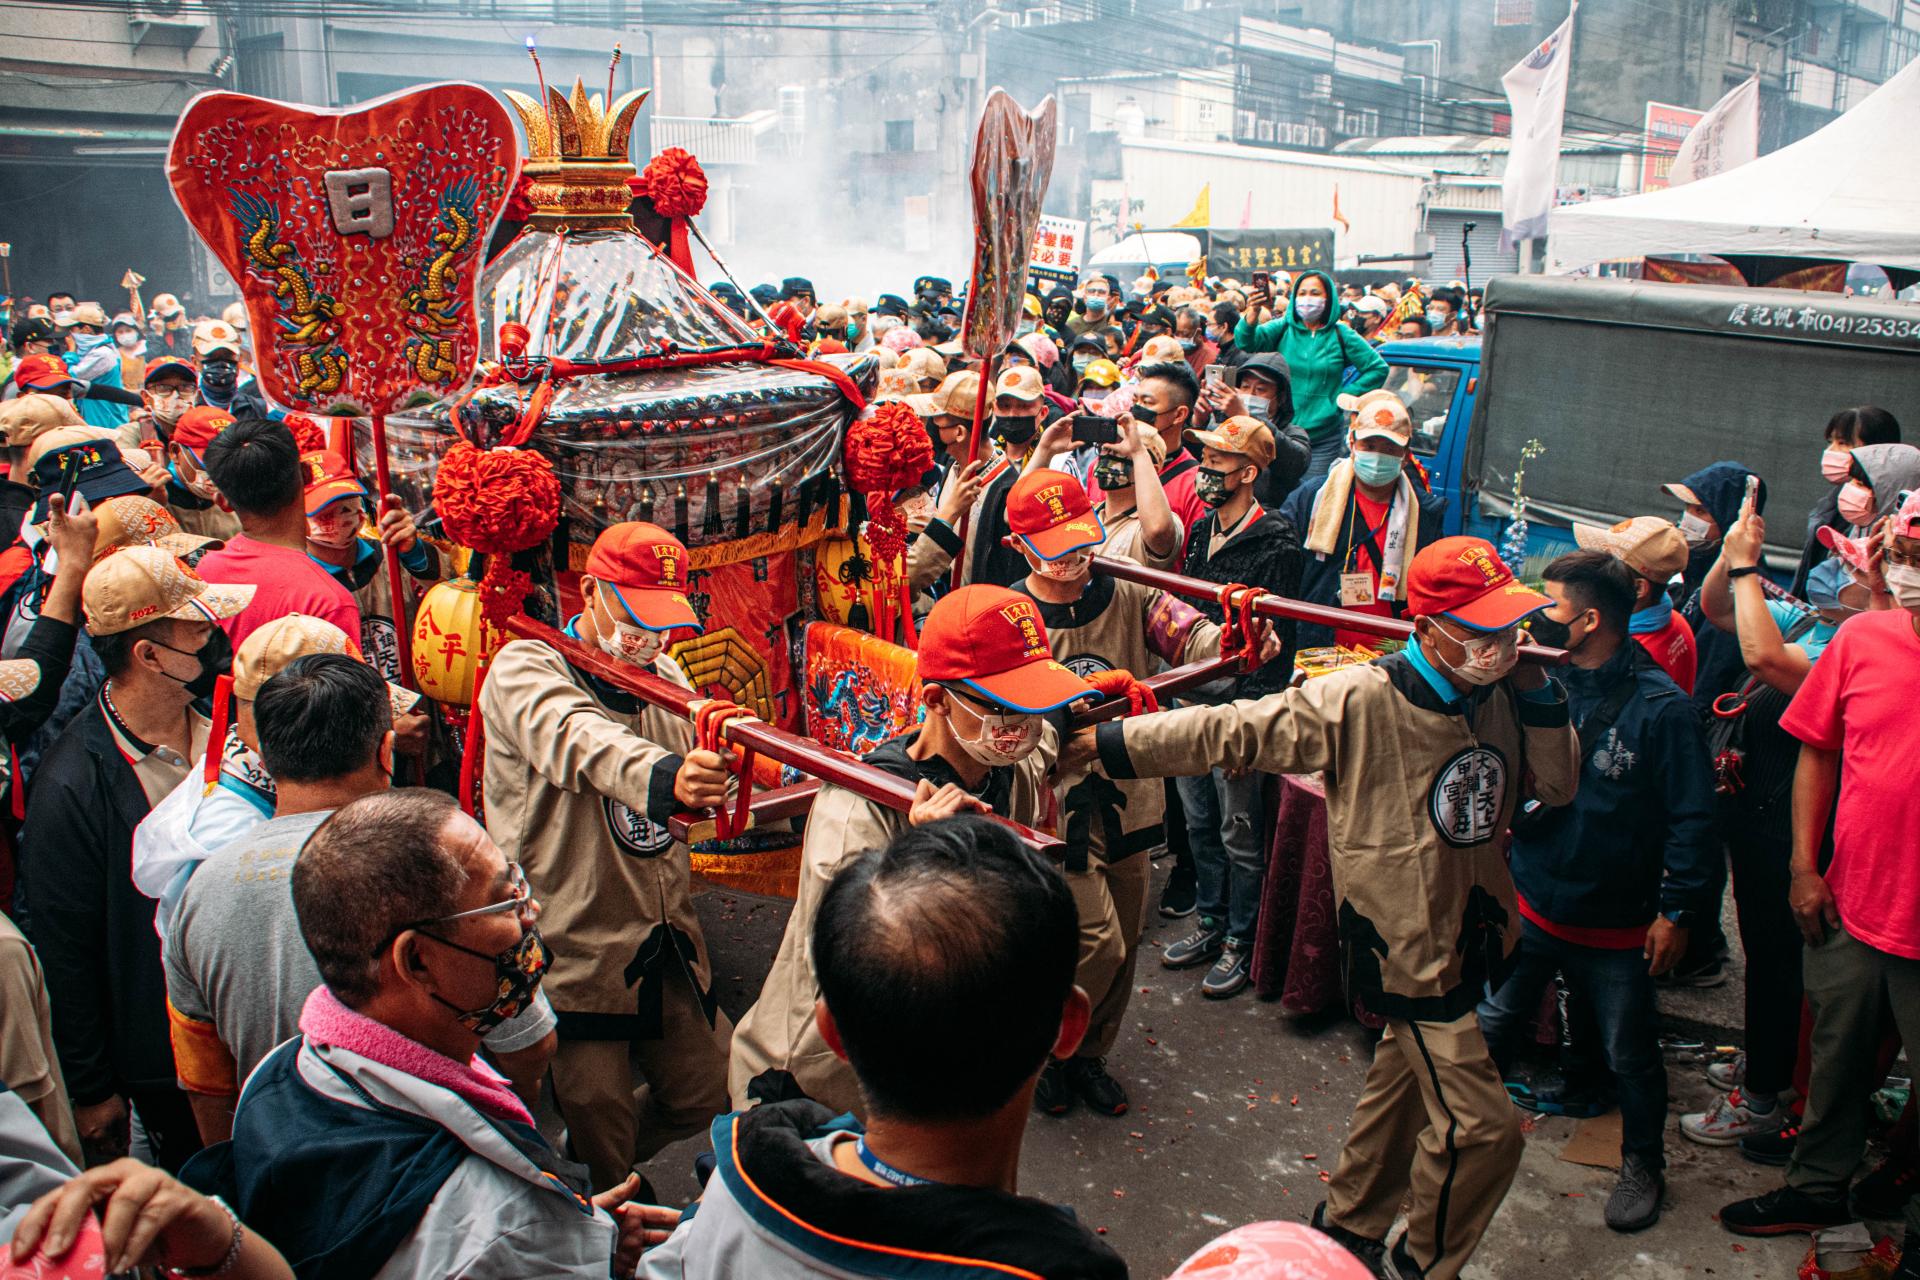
<point>1656,551</point>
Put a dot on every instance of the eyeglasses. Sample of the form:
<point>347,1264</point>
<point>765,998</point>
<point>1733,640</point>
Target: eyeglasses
<point>521,901</point>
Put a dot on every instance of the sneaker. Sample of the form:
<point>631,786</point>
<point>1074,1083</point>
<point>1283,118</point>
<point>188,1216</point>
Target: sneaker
<point>1773,1148</point>
<point>1229,973</point>
<point>1729,1119</point>
<point>1730,1075</point>
<point>1177,899</point>
<point>1635,1202</point>
<point>1549,1094</point>
<point>1883,1194</point>
<point>1784,1211</point>
<point>1202,946</point>
<point>1371,1253</point>
<point>1399,1264</point>
<point>1708,973</point>
<point>1053,1096</point>
<point>1100,1091</point>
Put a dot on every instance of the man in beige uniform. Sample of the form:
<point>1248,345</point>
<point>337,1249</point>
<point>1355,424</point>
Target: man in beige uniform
<point>580,780</point>
<point>987,678</point>
<point>1096,624</point>
<point>1140,524</point>
<point>1425,753</point>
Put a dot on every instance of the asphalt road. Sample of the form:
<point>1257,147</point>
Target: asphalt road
<point>1239,1111</point>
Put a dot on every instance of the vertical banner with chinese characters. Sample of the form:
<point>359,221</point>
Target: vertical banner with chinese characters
<point>1666,128</point>
<point>1012,164</point>
<point>1057,247</point>
<point>356,236</point>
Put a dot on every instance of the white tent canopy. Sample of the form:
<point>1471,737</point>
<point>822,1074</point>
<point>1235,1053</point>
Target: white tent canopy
<point>1850,191</point>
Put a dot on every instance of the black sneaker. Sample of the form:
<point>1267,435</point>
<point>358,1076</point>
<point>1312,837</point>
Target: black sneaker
<point>1399,1264</point>
<point>1774,1149</point>
<point>1228,977</point>
<point>1781,1212</point>
<point>1884,1193</point>
<point>1202,946</point>
<point>1708,973</point>
<point>1177,899</point>
<point>1548,1093</point>
<point>1100,1091</point>
<point>1053,1096</point>
<point>1635,1202</point>
<point>1371,1253</point>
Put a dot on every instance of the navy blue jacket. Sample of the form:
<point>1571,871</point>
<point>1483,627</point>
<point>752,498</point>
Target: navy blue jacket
<point>1320,575</point>
<point>1639,837</point>
<point>1721,488</point>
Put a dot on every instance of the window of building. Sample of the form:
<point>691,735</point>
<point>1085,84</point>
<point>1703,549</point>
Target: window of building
<point>1903,46</point>
<point>1512,13</point>
<point>899,135</point>
<point>1206,113</point>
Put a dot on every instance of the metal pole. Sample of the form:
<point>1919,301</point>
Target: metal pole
<point>973,455</point>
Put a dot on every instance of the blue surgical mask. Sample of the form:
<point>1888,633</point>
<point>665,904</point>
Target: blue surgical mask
<point>1436,321</point>
<point>1376,468</point>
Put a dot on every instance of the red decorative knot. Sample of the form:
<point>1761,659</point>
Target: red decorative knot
<point>514,339</point>
<point>675,182</point>
<point>519,206</point>
<point>887,450</point>
<point>496,501</point>
<point>309,435</point>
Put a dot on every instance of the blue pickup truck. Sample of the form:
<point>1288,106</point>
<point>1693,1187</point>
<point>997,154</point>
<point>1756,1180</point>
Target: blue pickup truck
<point>1619,387</point>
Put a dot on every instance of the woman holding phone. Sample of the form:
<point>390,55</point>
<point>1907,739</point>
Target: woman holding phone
<point>1324,358</point>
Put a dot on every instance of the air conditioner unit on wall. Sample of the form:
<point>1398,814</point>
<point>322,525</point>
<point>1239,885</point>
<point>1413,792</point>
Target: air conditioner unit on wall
<point>168,22</point>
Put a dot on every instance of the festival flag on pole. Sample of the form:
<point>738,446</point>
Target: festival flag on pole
<point>1726,137</point>
<point>1202,215</point>
<point>1536,91</point>
<point>1339,217</point>
<point>1246,212</point>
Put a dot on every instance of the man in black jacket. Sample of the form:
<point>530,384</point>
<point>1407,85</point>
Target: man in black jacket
<point>152,623</point>
<point>1238,541</point>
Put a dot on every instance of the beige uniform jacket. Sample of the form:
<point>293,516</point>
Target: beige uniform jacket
<point>778,1033</point>
<point>579,785</point>
<point>1126,540</point>
<point>1419,796</point>
<point>1120,626</point>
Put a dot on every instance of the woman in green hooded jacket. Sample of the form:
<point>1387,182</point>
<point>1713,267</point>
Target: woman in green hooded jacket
<point>1324,357</point>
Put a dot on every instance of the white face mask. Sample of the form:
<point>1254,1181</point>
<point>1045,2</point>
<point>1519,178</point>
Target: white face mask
<point>622,640</point>
<point>203,487</point>
<point>1903,581</point>
<point>170,406</point>
<point>1696,531</point>
<point>1066,568</point>
<point>1002,740</point>
<point>1489,658</point>
<point>1257,406</point>
<point>126,338</point>
<point>335,526</point>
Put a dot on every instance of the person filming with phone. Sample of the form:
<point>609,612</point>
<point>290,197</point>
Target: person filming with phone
<point>1324,356</point>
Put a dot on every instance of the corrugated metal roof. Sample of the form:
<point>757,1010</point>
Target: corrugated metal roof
<point>1311,159</point>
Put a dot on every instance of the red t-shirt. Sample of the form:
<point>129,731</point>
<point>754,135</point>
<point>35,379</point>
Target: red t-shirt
<point>1858,700</point>
<point>1672,646</point>
<point>1369,515</point>
<point>288,581</point>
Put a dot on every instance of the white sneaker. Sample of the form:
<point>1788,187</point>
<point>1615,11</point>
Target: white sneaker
<point>1729,1075</point>
<point>1728,1120</point>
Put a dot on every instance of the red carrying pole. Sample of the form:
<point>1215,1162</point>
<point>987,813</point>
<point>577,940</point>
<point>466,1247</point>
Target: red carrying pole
<point>1281,609</point>
<point>396,583</point>
<point>973,455</point>
<point>803,754</point>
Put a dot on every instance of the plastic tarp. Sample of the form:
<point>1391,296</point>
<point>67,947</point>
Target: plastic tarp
<point>1849,192</point>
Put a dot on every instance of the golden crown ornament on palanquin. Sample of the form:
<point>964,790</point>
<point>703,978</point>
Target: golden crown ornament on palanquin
<point>577,166</point>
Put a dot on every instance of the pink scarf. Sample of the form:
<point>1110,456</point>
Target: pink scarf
<point>325,1021</point>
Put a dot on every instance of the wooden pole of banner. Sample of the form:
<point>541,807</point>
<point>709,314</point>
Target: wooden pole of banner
<point>974,437</point>
<point>396,582</point>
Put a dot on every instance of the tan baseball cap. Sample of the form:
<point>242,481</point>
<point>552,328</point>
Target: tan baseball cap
<point>25,418</point>
<point>138,585</point>
<point>1378,415</point>
<point>134,521</point>
<point>1022,382</point>
<point>1162,350</point>
<point>87,313</point>
<point>1686,496</point>
<point>897,384</point>
<point>924,362</point>
<point>215,335</point>
<point>955,397</point>
<point>18,678</point>
<point>270,648</point>
<point>1651,547</point>
<point>1242,435</point>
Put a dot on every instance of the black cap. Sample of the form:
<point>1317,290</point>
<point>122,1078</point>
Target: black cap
<point>103,474</point>
<point>1159,287</point>
<point>890,304</point>
<point>1157,315</point>
<point>1088,339</point>
<point>33,329</point>
<point>1059,293</point>
<point>725,291</point>
<point>796,286</point>
<point>932,284</point>
<point>765,294</point>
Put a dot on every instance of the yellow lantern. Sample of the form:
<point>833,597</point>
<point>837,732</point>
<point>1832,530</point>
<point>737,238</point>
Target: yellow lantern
<point>843,578</point>
<point>451,641</point>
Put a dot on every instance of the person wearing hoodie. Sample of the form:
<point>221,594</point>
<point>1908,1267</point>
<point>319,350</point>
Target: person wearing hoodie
<point>1877,476</point>
<point>1260,387</point>
<point>1846,431</point>
<point>1326,358</point>
<point>95,361</point>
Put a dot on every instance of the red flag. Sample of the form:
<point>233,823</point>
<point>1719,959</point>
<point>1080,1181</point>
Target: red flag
<point>1337,215</point>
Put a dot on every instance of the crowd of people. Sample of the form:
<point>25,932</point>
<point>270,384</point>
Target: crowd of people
<point>272,1011</point>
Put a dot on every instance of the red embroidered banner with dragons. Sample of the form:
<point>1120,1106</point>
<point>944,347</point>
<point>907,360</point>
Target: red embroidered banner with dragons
<point>356,236</point>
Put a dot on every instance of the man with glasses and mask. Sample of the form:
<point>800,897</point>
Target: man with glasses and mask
<point>1609,885</point>
<point>378,1143</point>
<point>237,972</point>
<point>1426,752</point>
<point>1097,625</point>
<point>192,495</point>
<point>581,778</point>
<point>988,680</point>
<point>152,623</point>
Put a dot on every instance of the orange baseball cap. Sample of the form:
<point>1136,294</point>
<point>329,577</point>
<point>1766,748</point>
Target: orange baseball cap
<point>177,365</point>
<point>199,425</point>
<point>329,479</point>
<point>646,569</point>
<point>1465,580</point>
<point>43,373</point>
<point>992,641</point>
<point>1049,510</point>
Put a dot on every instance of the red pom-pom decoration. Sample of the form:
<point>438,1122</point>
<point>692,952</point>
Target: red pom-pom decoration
<point>514,340</point>
<point>676,184</point>
<point>309,435</point>
<point>887,450</point>
<point>519,207</point>
<point>497,501</point>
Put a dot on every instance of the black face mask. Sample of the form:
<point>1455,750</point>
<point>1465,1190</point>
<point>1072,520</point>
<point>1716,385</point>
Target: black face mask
<point>1144,416</point>
<point>1013,430</point>
<point>219,377</point>
<point>1554,635</point>
<point>215,658</point>
<point>1113,473</point>
<point>519,969</point>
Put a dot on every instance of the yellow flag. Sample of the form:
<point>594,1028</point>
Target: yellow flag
<point>1202,215</point>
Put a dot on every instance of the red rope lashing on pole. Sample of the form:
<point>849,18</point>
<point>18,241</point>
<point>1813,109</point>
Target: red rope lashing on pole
<point>709,734</point>
<point>1250,651</point>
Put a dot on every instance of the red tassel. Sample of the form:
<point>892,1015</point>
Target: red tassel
<point>217,735</point>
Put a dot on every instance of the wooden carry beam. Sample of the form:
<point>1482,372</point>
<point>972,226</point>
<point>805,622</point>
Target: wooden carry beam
<point>807,756</point>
